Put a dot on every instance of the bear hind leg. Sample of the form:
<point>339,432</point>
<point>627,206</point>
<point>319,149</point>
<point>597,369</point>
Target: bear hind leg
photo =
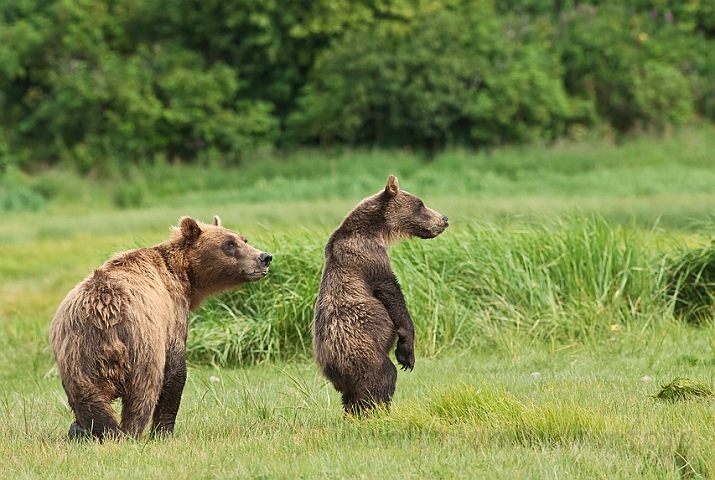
<point>94,416</point>
<point>377,389</point>
<point>136,412</point>
<point>351,403</point>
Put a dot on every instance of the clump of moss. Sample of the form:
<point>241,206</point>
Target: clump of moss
<point>683,389</point>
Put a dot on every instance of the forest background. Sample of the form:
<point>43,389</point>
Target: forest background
<point>100,85</point>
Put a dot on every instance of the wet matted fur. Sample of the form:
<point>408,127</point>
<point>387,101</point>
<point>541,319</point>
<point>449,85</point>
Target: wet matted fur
<point>121,333</point>
<point>361,312</point>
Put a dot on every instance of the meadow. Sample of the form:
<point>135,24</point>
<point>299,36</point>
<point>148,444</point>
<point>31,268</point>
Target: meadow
<point>548,315</point>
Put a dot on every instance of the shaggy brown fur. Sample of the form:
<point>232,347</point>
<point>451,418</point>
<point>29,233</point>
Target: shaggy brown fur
<point>121,333</point>
<point>360,311</point>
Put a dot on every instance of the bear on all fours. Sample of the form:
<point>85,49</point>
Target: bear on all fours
<point>360,312</point>
<point>121,333</point>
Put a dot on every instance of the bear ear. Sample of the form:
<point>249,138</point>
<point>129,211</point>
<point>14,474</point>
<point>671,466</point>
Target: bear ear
<point>217,221</point>
<point>190,230</point>
<point>392,186</point>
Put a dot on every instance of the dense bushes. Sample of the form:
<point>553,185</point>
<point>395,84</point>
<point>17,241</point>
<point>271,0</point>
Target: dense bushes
<point>446,76</point>
<point>109,82</point>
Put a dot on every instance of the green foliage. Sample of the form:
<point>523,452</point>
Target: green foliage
<point>449,75</point>
<point>17,192</point>
<point>130,195</point>
<point>97,84</point>
<point>610,59</point>
<point>670,180</point>
<point>89,88</point>
<point>22,198</point>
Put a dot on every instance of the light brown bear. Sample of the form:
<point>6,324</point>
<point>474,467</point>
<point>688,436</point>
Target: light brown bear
<point>360,311</point>
<point>121,333</point>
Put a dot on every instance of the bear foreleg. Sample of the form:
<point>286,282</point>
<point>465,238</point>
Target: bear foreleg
<point>387,290</point>
<point>167,408</point>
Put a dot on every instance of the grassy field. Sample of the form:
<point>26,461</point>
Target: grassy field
<point>544,327</point>
<point>463,414</point>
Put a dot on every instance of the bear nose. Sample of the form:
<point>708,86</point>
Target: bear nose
<point>444,217</point>
<point>265,258</point>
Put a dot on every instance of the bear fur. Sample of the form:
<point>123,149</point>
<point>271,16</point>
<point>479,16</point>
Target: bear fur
<point>360,311</point>
<point>121,333</point>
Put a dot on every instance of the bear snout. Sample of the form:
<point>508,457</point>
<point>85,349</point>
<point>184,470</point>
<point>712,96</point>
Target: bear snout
<point>265,259</point>
<point>437,229</point>
<point>443,225</point>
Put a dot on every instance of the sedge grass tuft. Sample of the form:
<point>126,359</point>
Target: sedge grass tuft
<point>690,277</point>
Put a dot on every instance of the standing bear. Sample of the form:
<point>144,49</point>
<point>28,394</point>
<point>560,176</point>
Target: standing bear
<point>121,333</point>
<point>360,311</point>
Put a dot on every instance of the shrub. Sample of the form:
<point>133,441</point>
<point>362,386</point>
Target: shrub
<point>448,76</point>
<point>609,58</point>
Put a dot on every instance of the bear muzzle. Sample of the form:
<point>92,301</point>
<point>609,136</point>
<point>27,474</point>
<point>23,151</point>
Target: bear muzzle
<point>437,229</point>
<point>260,270</point>
<point>265,259</point>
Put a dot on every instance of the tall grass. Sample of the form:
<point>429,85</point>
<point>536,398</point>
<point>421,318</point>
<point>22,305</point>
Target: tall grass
<point>265,320</point>
<point>562,281</point>
<point>690,281</point>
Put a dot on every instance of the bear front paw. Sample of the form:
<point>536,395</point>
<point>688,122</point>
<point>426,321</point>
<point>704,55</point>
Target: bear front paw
<point>405,357</point>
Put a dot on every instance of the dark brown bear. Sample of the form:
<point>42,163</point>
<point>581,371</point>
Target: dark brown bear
<point>121,333</point>
<point>360,311</point>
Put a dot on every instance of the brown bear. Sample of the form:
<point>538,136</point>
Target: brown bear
<point>360,311</point>
<point>121,333</point>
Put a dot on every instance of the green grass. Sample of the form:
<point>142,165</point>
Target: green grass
<point>671,179</point>
<point>462,414</point>
<point>545,322</point>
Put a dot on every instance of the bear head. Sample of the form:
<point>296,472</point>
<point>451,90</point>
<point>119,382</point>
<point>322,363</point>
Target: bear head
<point>407,216</point>
<point>219,258</point>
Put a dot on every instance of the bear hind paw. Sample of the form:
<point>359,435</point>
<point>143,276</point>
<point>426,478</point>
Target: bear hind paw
<point>78,433</point>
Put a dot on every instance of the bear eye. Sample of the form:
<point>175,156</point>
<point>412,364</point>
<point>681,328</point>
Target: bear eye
<point>231,243</point>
